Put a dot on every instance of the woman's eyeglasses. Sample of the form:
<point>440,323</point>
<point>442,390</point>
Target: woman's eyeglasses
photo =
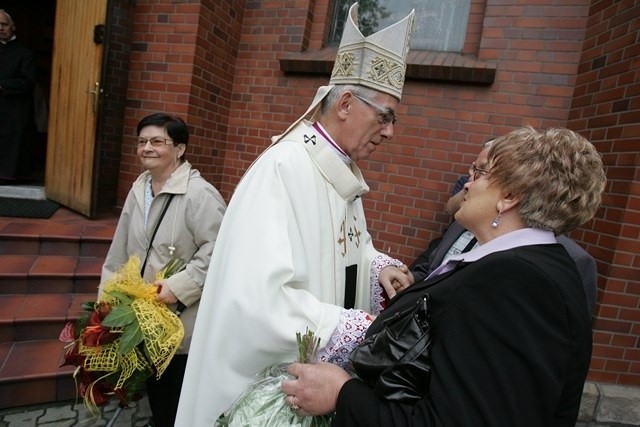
<point>156,141</point>
<point>385,115</point>
<point>476,172</point>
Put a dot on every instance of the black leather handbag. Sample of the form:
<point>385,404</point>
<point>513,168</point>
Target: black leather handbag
<point>396,361</point>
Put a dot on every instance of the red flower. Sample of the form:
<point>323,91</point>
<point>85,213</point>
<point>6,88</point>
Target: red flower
<point>100,391</point>
<point>102,310</point>
<point>68,333</point>
<point>72,357</point>
<point>94,334</point>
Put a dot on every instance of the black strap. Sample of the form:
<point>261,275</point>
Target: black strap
<point>164,210</point>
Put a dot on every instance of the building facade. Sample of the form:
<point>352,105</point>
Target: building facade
<point>239,71</point>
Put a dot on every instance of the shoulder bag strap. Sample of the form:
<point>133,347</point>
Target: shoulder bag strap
<point>164,210</point>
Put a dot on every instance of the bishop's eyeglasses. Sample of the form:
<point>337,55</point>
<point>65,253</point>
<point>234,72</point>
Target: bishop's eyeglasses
<point>385,114</point>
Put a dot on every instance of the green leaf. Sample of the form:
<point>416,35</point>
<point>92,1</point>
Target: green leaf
<point>174,266</point>
<point>307,346</point>
<point>120,316</point>
<point>131,337</point>
<point>88,305</point>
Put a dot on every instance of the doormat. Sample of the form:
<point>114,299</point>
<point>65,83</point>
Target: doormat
<point>27,208</point>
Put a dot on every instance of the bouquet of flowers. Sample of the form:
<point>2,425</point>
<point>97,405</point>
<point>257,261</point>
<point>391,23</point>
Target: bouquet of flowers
<point>123,338</point>
<point>263,403</point>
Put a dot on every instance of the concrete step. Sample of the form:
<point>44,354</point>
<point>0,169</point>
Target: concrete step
<point>48,269</point>
<point>34,192</point>
<point>29,317</point>
<point>31,373</point>
<point>48,274</point>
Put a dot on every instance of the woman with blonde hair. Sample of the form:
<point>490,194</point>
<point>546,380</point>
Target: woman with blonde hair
<point>510,328</point>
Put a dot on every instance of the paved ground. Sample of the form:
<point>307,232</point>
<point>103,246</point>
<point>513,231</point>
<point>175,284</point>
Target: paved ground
<point>594,424</point>
<point>75,414</point>
<point>72,414</point>
<point>617,404</point>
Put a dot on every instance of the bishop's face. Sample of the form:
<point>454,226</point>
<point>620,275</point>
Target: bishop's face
<point>370,123</point>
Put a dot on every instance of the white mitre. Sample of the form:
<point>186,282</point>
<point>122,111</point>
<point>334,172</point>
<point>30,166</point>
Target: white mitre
<point>378,61</point>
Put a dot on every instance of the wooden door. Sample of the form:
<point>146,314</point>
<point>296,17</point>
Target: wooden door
<point>75,103</point>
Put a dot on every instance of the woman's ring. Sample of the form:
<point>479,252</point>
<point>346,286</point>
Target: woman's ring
<point>294,406</point>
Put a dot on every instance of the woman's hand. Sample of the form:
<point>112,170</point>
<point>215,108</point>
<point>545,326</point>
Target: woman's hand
<point>165,294</point>
<point>315,390</point>
<point>395,279</point>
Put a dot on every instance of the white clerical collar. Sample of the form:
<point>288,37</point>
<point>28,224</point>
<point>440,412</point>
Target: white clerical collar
<point>10,40</point>
<point>322,131</point>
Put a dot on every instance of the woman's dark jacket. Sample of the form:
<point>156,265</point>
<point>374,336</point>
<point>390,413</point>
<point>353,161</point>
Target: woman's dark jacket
<point>511,346</point>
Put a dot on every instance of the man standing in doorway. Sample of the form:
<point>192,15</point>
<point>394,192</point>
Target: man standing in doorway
<point>17,82</point>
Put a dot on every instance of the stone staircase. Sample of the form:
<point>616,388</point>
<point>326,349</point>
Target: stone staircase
<point>47,269</point>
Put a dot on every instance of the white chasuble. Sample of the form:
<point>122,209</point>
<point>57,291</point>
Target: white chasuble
<point>293,226</point>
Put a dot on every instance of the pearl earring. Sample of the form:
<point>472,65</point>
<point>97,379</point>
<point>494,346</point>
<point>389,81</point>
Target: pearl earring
<point>496,221</point>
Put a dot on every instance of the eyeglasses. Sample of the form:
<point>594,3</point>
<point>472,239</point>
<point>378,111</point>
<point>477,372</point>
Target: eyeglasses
<point>385,114</point>
<point>476,172</point>
<point>156,141</point>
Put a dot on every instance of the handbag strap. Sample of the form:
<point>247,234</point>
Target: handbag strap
<point>155,230</point>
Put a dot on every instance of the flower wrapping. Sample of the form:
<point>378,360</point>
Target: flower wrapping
<point>122,339</point>
<point>264,404</point>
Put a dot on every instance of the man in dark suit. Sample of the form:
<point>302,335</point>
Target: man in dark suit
<point>17,82</point>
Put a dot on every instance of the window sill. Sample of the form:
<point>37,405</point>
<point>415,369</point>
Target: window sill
<point>421,65</point>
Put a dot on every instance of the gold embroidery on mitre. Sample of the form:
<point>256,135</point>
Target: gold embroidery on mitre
<point>344,65</point>
<point>385,71</point>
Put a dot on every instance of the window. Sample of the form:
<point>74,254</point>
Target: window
<point>444,43</point>
<point>439,25</point>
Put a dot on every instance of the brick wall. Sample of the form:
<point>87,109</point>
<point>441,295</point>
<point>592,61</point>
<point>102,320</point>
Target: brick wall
<point>606,110</point>
<point>558,63</point>
<point>183,62</point>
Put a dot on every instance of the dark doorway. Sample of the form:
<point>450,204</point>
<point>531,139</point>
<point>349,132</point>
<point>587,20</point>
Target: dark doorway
<point>35,21</point>
<point>36,29</point>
